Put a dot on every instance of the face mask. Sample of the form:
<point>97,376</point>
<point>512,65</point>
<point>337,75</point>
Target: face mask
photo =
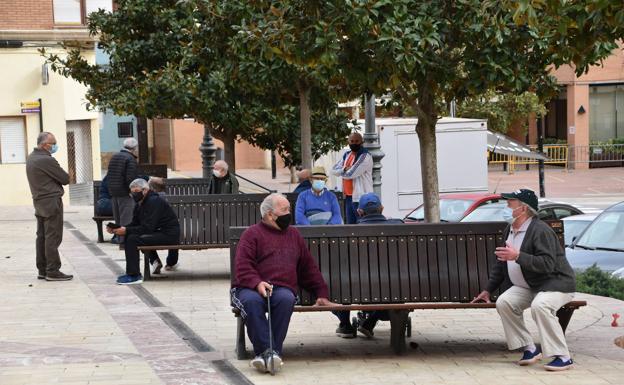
<point>216,173</point>
<point>508,215</point>
<point>318,185</point>
<point>137,196</point>
<point>283,221</point>
<point>355,147</point>
<point>54,148</point>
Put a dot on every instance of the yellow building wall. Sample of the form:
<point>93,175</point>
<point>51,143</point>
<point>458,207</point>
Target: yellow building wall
<point>62,100</point>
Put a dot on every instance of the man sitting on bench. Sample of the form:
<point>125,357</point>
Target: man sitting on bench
<point>273,259</point>
<point>370,212</point>
<point>154,223</point>
<point>534,264</point>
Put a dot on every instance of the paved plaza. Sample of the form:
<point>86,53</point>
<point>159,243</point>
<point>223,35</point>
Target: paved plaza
<point>179,329</point>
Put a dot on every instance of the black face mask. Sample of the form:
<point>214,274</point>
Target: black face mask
<point>137,196</point>
<point>355,147</point>
<point>283,221</point>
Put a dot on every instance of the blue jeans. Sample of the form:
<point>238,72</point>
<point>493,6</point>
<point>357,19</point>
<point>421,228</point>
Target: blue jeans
<point>253,309</point>
<point>351,210</point>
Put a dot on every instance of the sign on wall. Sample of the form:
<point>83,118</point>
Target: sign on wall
<point>28,107</point>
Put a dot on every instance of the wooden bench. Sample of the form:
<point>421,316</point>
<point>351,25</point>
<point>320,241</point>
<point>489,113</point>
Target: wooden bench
<point>399,268</point>
<point>205,220</point>
<point>173,186</point>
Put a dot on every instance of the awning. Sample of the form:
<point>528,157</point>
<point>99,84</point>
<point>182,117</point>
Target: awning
<point>502,144</point>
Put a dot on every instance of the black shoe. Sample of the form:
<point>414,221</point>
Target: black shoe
<point>346,331</point>
<point>41,275</point>
<point>366,328</point>
<point>58,276</point>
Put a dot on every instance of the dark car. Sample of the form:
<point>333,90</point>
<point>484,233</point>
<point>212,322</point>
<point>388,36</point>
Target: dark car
<point>453,207</point>
<point>547,210</point>
<point>602,242</point>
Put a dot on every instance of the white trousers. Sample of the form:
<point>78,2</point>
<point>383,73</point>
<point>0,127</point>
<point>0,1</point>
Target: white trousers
<point>544,305</point>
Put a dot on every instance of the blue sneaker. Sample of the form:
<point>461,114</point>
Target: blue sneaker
<point>529,358</point>
<point>129,279</point>
<point>558,365</point>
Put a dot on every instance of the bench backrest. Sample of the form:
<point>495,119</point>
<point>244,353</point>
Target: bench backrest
<point>400,263</point>
<point>206,219</point>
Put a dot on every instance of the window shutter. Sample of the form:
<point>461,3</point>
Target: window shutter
<point>67,11</point>
<point>12,140</point>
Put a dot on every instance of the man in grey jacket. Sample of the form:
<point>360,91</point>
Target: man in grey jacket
<point>534,267</point>
<point>46,179</point>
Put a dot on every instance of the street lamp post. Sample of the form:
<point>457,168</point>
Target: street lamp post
<point>208,152</point>
<point>371,141</point>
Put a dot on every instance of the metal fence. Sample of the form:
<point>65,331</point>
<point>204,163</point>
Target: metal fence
<point>596,155</point>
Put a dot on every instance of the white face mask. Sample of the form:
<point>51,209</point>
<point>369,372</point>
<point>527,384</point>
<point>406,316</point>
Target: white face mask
<point>508,215</point>
<point>216,173</point>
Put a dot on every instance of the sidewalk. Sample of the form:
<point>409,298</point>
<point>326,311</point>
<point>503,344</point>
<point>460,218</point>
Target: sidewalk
<point>179,329</point>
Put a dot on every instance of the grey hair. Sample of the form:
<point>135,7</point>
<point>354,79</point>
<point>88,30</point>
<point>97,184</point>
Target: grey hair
<point>531,210</point>
<point>42,137</point>
<point>130,143</point>
<point>222,164</point>
<point>156,184</point>
<point>140,183</point>
<point>268,202</point>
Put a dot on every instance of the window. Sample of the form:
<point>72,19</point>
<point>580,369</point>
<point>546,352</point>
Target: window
<point>606,114</point>
<point>12,140</point>
<point>77,11</point>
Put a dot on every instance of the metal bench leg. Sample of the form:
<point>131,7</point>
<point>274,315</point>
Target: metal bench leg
<point>146,268</point>
<point>565,314</point>
<point>241,350</point>
<point>100,231</point>
<point>398,326</point>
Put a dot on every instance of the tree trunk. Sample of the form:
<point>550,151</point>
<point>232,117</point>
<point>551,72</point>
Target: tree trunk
<point>426,130</point>
<point>306,125</point>
<point>229,152</point>
<point>229,146</point>
<point>429,169</point>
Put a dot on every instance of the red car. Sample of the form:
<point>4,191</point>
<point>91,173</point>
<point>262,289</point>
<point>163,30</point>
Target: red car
<point>453,207</point>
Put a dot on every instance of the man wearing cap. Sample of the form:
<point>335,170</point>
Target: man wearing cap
<point>317,205</point>
<point>534,267</point>
<point>356,170</point>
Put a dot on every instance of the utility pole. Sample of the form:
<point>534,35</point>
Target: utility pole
<point>208,152</point>
<point>540,150</point>
<point>371,141</point>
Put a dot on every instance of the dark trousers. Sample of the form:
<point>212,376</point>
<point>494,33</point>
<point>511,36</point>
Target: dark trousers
<point>172,256</point>
<point>133,241</point>
<point>351,210</point>
<point>123,208</point>
<point>253,310</point>
<point>49,214</point>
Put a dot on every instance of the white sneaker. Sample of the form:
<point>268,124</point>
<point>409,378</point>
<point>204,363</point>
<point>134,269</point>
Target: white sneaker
<point>259,364</point>
<point>156,267</point>
<point>276,360</point>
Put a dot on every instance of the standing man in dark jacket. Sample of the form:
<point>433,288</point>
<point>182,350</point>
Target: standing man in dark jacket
<point>221,181</point>
<point>534,264</point>
<point>154,223</point>
<point>122,170</point>
<point>46,179</point>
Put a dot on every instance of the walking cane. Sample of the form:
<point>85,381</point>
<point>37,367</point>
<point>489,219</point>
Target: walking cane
<point>272,368</point>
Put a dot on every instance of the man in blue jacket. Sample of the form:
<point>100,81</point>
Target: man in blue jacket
<point>317,205</point>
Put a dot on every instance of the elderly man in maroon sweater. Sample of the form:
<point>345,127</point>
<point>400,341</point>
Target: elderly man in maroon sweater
<point>273,259</point>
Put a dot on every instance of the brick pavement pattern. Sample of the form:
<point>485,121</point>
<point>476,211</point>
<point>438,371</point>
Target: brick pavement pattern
<point>91,331</point>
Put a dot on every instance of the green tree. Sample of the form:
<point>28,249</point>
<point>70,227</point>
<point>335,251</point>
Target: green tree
<point>502,110</point>
<point>297,41</point>
<point>427,51</point>
<point>174,59</point>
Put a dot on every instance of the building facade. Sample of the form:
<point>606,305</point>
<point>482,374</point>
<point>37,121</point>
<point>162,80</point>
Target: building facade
<point>26,26</point>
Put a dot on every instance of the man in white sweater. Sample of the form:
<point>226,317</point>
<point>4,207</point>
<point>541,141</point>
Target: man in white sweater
<point>356,169</point>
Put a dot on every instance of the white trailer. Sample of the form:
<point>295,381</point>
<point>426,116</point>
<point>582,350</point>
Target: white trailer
<point>462,160</point>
